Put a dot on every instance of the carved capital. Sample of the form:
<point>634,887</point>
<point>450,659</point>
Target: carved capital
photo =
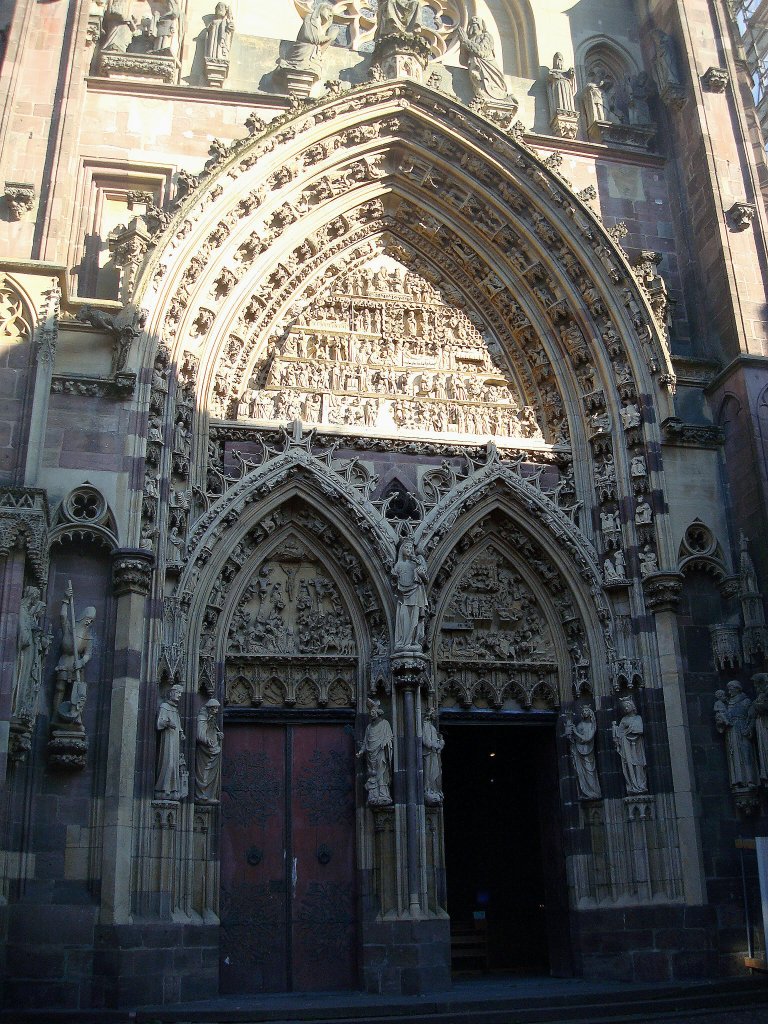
<point>410,671</point>
<point>132,572</point>
<point>662,591</point>
<point>24,522</point>
<point>19,198</point>
<point>741,215</point>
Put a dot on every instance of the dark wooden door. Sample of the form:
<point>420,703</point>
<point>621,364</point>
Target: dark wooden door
<point>288,910</point>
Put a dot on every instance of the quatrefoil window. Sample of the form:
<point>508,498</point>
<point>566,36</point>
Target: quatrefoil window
<point>85,505</point>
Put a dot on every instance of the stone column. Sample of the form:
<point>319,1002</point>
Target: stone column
<point>662,596</point>
<point>409,672</point>
<point>131,581</point>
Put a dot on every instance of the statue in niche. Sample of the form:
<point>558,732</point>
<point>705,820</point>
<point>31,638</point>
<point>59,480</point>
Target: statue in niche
<point>759,716</point>
<point>432,744</point>
<point>219,33</point>
<point>315,36</point>
<point>734,720</point>
<point>397,17</point>
<point>640,91</point>
<point>478,53</point>
<point>560,87</point>
<point>168,782</point>
<point>166,29</point>
<point>377,748</point>
<point>665,62</point>
<point>627,736</point>
<point>410,575</point>
<point>76,651</point>
<point>208,753</point>
<point>649,563</point>
<point>31,646</point>
<point>581,738</point>
<point>118,26</point>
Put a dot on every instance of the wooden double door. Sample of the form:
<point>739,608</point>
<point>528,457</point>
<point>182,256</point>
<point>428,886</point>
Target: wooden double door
<point>288,894</point>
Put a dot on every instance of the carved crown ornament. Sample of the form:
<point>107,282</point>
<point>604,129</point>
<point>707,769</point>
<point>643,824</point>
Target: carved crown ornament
<point>306,144</point>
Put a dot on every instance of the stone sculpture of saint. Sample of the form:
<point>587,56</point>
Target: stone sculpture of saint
<point>410,575</point>
<point>595,108</point>
<point>208,753</point>
<point>76,651</point>
<point>478,53</point>
<point>432,744</point>
<point>118,26</point>
<point>31,645</point>
<point>560,87</point>
<point>734,721</point>
<point>581,737</point>
<point>316,34</point>
<point>760,723</point>
<point>168,779</point>
<point>168,29</point>
<point>665,61</point>
<point>628,739</point>
<point>398,17</point>
<point>640,90</point>
<point>377,749</point>
<point>218,34</point>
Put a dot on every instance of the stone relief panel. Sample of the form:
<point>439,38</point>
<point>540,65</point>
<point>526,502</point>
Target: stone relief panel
<point>291,640</point>
<point>495,648</point>
<point>384,351</point>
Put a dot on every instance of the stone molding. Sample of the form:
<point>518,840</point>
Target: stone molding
<point>121,386</point>
<point>163,69</point>
<point>132,572</point>
<point>24,520</point>
<point>692,435</point>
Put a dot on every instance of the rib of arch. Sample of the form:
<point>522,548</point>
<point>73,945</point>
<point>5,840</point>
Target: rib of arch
<point>401,128</point>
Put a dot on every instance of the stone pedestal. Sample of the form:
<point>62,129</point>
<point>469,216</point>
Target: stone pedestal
<point>297,82</point>
<point>216,72</point>
<point>633,136</point>
<point>565,123</point>
<point>68,747</point>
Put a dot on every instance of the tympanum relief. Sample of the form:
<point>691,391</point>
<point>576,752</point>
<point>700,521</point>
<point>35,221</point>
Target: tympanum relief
<point>495,647</point>
<point>385,352</point>
<point>291,640</point>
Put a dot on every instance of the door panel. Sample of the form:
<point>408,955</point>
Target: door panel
<point>322,825</point>
<point>288,911</point>
<point>254,954</point>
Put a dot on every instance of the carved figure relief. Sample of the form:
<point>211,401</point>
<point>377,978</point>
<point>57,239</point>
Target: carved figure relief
<point>291,639</point>
<point>377,749</point>
<point>581,739</point>
<point>385,350</point>
<point>628,739</point>
<point>495,648</point>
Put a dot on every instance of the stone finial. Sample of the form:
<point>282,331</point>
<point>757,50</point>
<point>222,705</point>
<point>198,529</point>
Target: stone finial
<point>19,198</point>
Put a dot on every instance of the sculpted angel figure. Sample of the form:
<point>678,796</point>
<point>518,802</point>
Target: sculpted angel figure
<point>478,53</point>
<point>316,34</point>
<point>581,738</point>
<point>377,749</point>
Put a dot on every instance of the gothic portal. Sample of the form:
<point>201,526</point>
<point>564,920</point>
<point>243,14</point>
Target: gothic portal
<point>381,498</point>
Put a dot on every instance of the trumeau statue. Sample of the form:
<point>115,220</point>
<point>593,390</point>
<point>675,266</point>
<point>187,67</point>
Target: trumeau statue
<point>76,651</point>
<point>581,737</point>
<point>168,783</point>
<point>377,748</point>
<point>734,720</point>
<point>432,744</point>
<point>759,716</point>
<point>410,575</point>
<point>208,753</point>
<point>31,646</point>
<point>478,53</point>
<point>219,33</point>
<point>628,739</point>
<point>398,17</point>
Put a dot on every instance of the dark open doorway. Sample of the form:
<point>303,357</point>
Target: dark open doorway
<point>503,847</point>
